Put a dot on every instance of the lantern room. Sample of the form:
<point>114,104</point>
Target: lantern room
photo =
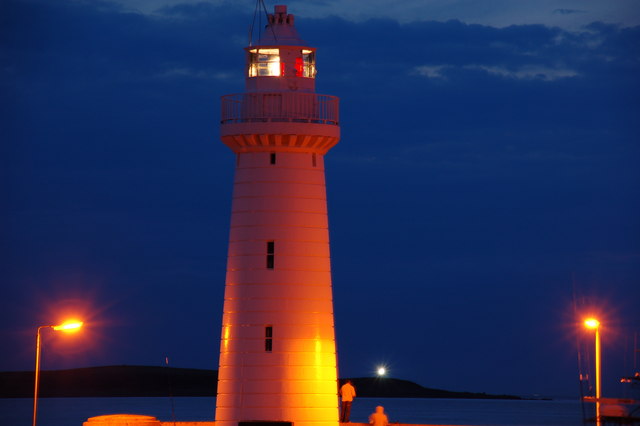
<point>280,60</point>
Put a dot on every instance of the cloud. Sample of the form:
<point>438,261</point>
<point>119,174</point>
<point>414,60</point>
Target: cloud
<point>498,13</point>
<point>567,11</point>
<point>527,72</point>
<point>431,71</point>
<point>568,14</point>
<point>182,72</point>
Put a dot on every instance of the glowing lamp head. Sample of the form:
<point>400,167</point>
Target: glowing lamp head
<point>70,326</point>
<point>592,323</point>
<point>381,371</point>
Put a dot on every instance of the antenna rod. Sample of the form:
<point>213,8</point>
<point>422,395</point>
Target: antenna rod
<point>636,351</point>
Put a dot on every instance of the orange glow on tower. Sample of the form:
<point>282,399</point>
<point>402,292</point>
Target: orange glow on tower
<point>277,351</point>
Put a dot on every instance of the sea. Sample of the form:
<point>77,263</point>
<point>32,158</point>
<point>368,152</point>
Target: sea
<point>74,411</point>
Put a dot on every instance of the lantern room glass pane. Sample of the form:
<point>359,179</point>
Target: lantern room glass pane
<point>265,63</point>
<point>308,64</point>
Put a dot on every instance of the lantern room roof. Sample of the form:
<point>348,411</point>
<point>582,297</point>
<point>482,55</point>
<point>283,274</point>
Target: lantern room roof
<point>280,30</point>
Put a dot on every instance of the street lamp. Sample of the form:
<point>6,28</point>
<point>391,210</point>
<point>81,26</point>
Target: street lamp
<point>594,324</point>
<point>67,327</point>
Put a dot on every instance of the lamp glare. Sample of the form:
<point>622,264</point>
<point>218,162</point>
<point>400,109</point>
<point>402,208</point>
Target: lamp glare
<point>592,323</point>
<point>69,326</point>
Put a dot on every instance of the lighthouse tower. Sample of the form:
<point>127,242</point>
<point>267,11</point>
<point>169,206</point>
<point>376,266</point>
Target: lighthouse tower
<point>277,351</point>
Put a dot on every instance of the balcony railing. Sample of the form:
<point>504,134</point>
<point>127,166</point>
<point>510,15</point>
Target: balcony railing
<point>280,107</point>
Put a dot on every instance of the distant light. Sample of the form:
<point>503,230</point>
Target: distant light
<point>68,326</point>
<point>381,371</point>
<point>591,323</point>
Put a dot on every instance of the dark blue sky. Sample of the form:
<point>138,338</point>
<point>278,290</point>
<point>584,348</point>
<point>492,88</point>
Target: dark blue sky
<point>485,174</point>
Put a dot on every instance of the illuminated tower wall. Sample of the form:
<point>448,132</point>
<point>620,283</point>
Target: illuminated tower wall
<point>277,351</point>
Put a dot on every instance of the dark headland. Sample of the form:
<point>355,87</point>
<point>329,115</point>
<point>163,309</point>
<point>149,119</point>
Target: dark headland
<point>138,381</point>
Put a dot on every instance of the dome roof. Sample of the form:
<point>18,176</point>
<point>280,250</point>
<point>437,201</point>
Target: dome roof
<point>280,30</point>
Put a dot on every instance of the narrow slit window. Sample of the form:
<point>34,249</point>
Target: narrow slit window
<point>271,253</point>
<point>268,338</point>
<point>272,158</point>
<point>313,160</point>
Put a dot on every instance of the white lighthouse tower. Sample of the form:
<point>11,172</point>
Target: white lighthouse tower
<point>277,351</point>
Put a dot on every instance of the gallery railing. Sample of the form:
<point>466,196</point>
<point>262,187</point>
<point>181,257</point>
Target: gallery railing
<point>280,107</point>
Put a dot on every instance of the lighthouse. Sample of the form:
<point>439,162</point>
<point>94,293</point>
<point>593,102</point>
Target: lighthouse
<point>277,351</point>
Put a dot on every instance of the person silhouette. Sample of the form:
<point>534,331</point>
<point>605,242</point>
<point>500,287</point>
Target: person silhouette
<point>347,393</point>
<point>379,418</point>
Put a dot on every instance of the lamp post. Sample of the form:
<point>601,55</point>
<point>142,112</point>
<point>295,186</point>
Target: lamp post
<point>68,327</point>
<point>594,324</point>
